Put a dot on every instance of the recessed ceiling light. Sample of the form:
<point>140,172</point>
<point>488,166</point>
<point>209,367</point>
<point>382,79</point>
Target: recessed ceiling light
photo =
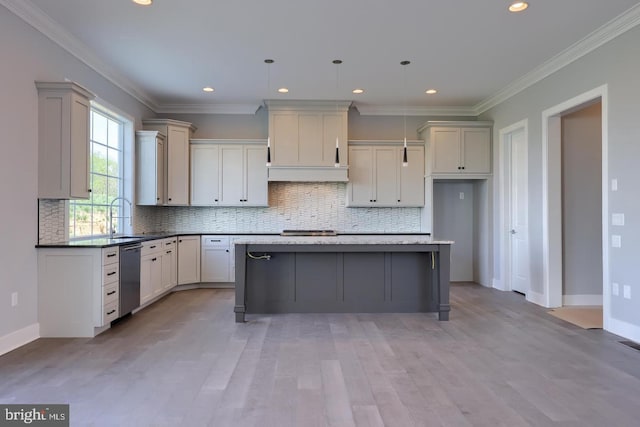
<point>143,2</point>
<point>283,90</point>
<point>518,6</point>
<point>358,91</point>
<point>431,91</point>
<point>208,89</point>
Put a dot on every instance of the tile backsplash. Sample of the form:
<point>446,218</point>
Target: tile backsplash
<point>292,205</point>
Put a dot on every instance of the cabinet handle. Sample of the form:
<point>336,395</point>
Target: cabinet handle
<point>227,250</point>
<point>111,293</point>
<point>111,274</point>
<point>398,200</point>
<point>168,252</point>
<point>111,255</point>
<point>169,198</point>
<point>158,198</point>
<point>152,247</point>
<point>463,167</point>
<point>180,240</point>
<point>215,200</point>
<point>109,313</point>
<point>154,259</point>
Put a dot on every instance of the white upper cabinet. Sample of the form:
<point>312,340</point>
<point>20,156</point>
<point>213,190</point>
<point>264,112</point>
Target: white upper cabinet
<point>150,151</point>
<point>303,140</point>
<point>458,148</point>
<point>176,159</point>
<point>378,179</point>
<point>228,173</point>
<point>63,140</point>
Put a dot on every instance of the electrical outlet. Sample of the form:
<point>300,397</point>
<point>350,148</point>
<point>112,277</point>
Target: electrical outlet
<point>626,291</point>
<point>14,299</point>
<point>461,195</point>
<point>614,185</point>
<point>617,219</point>
<point>615,289</point>
<point>616,241</point>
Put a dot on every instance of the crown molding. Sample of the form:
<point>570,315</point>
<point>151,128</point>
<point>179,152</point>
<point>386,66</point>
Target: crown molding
<point>376,110</point>
<point>39,20</point>
<point>208,108</point>
<point>602,35</point>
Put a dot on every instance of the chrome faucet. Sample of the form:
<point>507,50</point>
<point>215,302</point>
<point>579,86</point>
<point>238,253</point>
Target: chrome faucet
<point>111,229</point>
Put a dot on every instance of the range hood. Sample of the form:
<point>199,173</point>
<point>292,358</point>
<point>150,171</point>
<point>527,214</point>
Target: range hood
<point>304,138</point>
<point>308,174</point>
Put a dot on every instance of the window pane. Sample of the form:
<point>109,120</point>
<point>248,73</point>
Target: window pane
<point>113,189</point>
<point>114,134</point>
<point>100,220</point>
<point>113,162</point>
<point>99,128</point>
<point>99,159</point>
<point>99,190</point>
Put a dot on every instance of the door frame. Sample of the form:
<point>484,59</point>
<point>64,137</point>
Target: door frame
<point>504,161</point>
<point>552,198</point>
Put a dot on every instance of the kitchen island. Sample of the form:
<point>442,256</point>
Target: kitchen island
<point>342,274</point>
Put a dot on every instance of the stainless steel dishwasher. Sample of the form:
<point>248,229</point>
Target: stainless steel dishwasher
<point>129,278</point>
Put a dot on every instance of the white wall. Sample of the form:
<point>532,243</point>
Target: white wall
<point>615,64</point>
<point>28,56</point>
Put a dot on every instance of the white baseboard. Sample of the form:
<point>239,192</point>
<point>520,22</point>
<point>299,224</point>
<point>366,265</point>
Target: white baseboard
<point>497,284</point>
<point>582,299</point>
<point>536,298</point>
<point>19,338</point>
<point>623,329</point>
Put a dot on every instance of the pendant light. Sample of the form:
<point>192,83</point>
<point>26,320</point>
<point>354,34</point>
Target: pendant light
<point>337,62</point>
<point>405,161</point>
<point>268,62</point>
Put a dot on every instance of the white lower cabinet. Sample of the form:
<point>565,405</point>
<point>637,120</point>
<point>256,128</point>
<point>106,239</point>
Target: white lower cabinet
<point>158,268</point>
<point>216,259</point>
<point>169,263</point>
<point>188,259</point>
<point>78,290</point>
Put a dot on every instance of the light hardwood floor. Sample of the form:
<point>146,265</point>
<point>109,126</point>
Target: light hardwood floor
<point>499,361</point>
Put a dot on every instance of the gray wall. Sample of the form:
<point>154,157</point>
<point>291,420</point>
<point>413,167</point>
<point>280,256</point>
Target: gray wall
<point>582,201</point>
<point>616,64</point>
<point>28,56</point>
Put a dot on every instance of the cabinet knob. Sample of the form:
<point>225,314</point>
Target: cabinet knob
<point>227,250</point>
<point>89,190</point>
<point>154,259</point>
<point>215,200</point>
<point>398,200</point>
<point>169,198</point>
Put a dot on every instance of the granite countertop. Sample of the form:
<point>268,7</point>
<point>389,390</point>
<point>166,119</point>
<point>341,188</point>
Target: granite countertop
<point>350,239</point>
<point>260,238</point>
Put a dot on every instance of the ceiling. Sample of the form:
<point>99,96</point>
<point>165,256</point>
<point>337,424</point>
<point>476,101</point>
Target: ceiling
<point>469,50</point>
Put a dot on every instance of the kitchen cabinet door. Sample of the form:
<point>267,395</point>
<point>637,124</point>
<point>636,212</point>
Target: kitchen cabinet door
<point>385,176</point>
<point>205,175</point>
<point>476,150</point>
<point>150,150</point>
<point>255,176</point>
<point>446,150</point>
<point>411,180</point>
<point>177,165</point>
<point>146,278</point>
<point>63,140</point>
<point>360,187</point>
<point>188,259</point>
<point>215,265</point>
<point>232,177</point>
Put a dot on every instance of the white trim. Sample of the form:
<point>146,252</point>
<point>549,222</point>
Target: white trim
<point>551,198</point>
<point>208,108</point>
<point>39,20</point>
<point>535,297</point>
<point>19,338</point>
<point>612,29</point>
<point>504,203</point>
<point>582,299</point>
<point>624,329</point>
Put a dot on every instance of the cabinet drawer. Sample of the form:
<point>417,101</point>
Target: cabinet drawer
<point>215,241</point>
<point>110,313</point>
<point>110,255</point>
<point>110,274</point>
<point>169,243</point>
<point>152,247</point>
<point>110,294</point>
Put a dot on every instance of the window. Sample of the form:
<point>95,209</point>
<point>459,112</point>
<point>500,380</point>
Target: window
<point>91,217</point>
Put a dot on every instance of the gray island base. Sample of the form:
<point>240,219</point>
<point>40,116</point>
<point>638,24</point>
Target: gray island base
<point>342,274</point>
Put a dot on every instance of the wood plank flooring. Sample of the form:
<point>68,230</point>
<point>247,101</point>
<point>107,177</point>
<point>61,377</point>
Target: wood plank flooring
<point>499,361</point>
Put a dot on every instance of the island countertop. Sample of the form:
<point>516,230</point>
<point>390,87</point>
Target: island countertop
<point>360,239</point>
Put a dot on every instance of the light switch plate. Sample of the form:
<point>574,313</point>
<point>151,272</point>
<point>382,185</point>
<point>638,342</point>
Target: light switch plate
<point>617,219</point>
<point>614,185</point>
<point>616,241</point>
<point>615,289</point>
<point>461,195</point>
<point>626,290</point>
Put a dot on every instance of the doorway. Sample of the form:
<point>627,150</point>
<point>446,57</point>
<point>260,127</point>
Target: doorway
<point>554,262</point>
<point>513,153</point>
